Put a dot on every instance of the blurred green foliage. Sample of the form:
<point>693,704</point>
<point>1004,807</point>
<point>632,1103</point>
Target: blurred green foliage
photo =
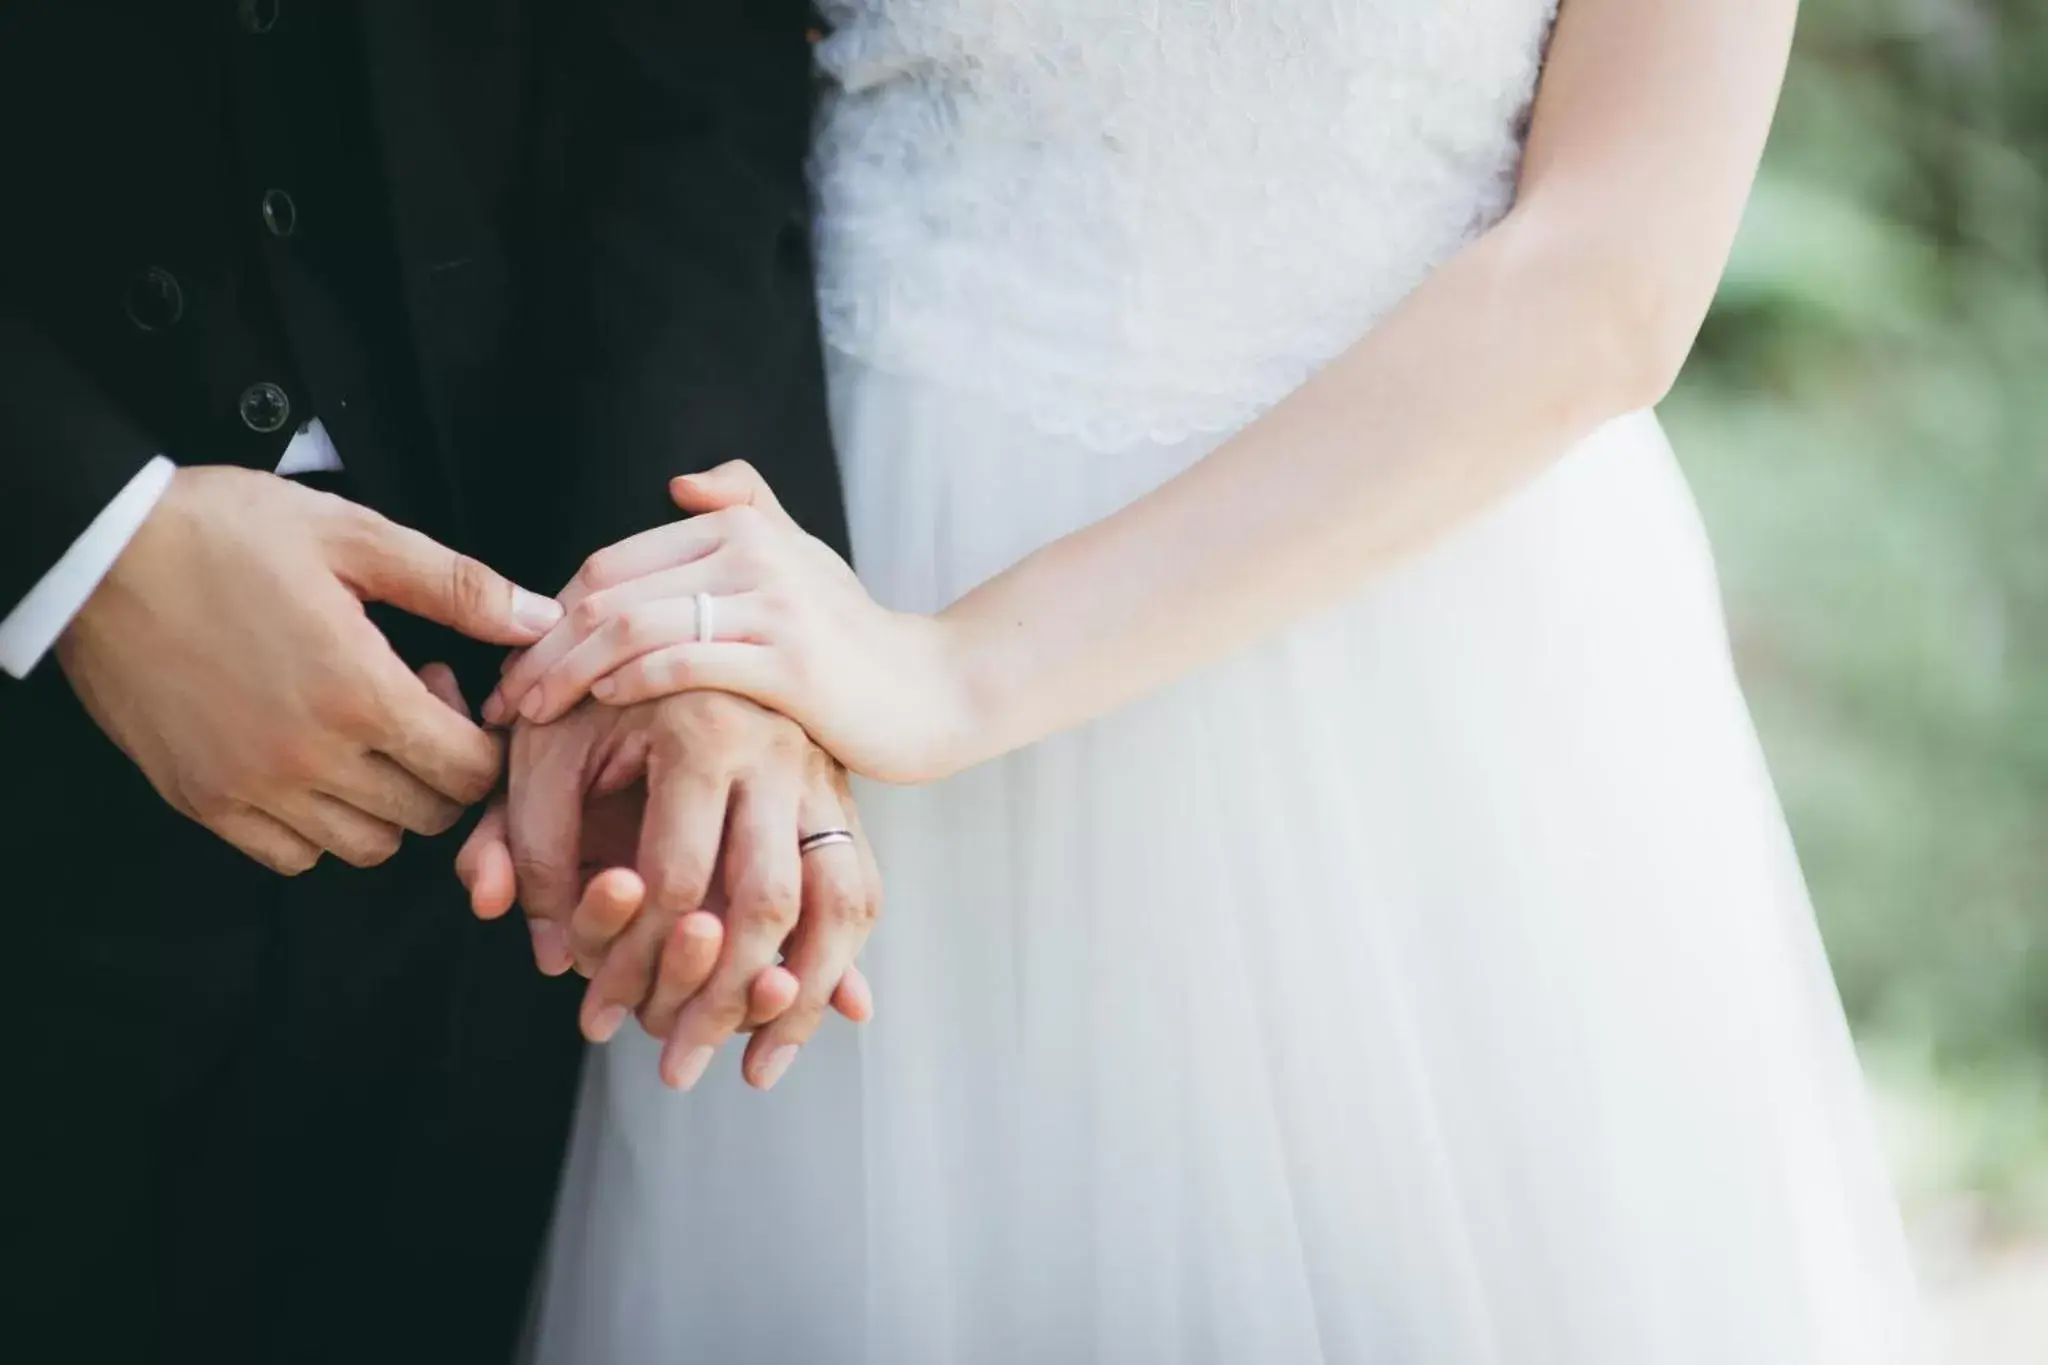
<point>1866,424</point>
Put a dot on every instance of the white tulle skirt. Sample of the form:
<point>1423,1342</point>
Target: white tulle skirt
<point>1432,984</point>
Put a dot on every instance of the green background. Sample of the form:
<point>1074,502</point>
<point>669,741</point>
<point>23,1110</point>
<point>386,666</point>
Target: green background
<point>1866,425</point>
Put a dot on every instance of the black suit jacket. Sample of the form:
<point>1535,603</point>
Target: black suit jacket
<point>524,259</point>
<point>541,255</point>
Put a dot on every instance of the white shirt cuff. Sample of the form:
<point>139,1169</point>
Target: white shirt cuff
<point>36,621</point>
<point>29,630</point>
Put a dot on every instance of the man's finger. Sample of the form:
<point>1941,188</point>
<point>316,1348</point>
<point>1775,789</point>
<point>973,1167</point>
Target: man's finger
<point>550,947</point>
<point>680,834</point>
<point>485,866</point>
<point>380,788</point>
<point>440,680</point>
<point>386,562</point>
<point>838,913</point>
<point>266,839</point>
<point>544,826</point>
<point>429,739</point>
<point>357,839</point>
<point>764,884</point>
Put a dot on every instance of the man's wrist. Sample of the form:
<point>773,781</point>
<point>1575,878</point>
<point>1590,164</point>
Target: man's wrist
<point>33,626</point>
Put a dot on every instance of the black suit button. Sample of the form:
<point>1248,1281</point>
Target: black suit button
<point>280,214</point>
<point>265,408</point>
<point>258,16</point>
<point>155,301</point>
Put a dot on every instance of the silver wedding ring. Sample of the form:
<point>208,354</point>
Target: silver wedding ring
<point>824,838</point>
<point>706,627</point>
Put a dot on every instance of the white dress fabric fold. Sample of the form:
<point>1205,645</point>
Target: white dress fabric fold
<point>1433,984</point>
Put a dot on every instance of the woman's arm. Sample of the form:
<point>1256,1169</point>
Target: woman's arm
<point>1577,308</point>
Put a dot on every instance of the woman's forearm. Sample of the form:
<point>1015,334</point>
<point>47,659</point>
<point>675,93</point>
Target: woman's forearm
<point>1577,308</point>
<point>1495,366</point>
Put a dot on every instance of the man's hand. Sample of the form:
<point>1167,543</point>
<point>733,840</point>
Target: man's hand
<point>229,655</point>
<point>678,909</point>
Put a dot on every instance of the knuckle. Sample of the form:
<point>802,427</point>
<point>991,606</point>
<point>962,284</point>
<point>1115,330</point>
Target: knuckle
<point>370,849</point>
<point>783,739</point>
<point>536,871</point>
<point>203,800</point>
<point>727,1012</point>
<point>605,568</point>
<point>435,820</point>
<point>472,784</point>
<point>718,722</point>
<point>470,586</point>
<point>629,629</point>
<point>849,905</point>
<point>799,667</point>
<point>351,525</point>
<point>358,711</point>
<point>769,903</point>
<point>292,859</point>
<point>285,760</point>
<point>673,673</point>
<point>679,887</point>
<point>779,605</point>
<point>589,614</point>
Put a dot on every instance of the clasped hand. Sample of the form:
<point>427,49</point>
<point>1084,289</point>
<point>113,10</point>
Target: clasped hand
<point>703,731</point>
<point>654,849</point>
<point>229,654</point>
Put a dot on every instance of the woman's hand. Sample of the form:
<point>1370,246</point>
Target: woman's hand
<point>790,627</point>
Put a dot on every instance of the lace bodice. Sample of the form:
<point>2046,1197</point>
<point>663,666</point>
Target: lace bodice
<point>1152,218</point>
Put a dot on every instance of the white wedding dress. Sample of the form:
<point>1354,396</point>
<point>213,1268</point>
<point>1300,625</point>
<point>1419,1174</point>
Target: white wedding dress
<point>1430,985</point>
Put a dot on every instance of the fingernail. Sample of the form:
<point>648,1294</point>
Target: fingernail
<point>530,707</point>
<point>777,1063</point>
<point>494,709</point>
<point>607,1023</point>
<point>604,689</point>
<point>533,611</point>
<point>691,1069</point>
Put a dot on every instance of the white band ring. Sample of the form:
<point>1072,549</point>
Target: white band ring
<point>706,625</point>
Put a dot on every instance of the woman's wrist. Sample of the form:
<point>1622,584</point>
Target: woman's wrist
<point>988,682</point>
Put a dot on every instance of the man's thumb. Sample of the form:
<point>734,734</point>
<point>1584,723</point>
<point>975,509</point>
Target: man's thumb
<point>398,565</point>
